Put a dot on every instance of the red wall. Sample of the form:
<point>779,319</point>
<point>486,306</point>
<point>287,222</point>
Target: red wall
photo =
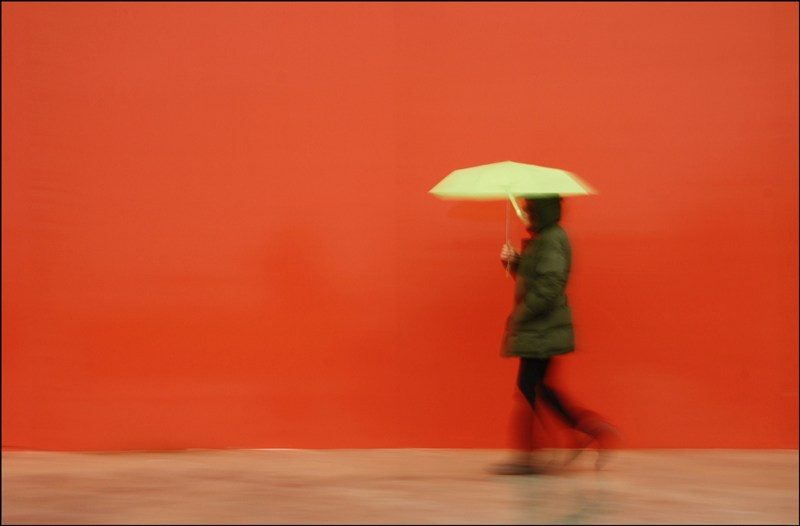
<point>217,231</point>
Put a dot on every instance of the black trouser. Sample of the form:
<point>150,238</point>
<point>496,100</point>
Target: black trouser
<point>531,381</point>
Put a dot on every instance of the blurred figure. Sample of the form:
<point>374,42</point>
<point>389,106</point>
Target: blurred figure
<point>540,328</point>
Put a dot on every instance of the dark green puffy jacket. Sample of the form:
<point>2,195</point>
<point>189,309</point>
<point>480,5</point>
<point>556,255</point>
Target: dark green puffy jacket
<point>540,325</point>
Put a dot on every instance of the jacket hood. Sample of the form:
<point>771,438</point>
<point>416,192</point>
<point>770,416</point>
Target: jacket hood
<point>546,212</point>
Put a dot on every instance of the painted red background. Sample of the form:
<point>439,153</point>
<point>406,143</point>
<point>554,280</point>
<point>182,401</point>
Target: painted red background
<point>217,231</point>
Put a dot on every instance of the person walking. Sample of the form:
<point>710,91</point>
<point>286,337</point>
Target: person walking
<point>539,329</point>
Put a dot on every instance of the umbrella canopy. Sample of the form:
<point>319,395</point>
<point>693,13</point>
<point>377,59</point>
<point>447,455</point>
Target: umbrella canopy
<point>507,179</point>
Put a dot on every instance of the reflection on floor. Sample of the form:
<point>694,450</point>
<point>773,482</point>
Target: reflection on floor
<point>397,486</point>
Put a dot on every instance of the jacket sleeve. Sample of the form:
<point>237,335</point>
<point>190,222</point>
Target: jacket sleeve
<point>550,278</point>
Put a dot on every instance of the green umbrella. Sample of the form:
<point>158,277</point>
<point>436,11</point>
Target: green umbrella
<point>509,180</point>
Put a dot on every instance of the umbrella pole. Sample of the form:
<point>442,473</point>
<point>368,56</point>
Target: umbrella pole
<point>508,206</point>
<point>520,214</point>
<point>508,241</point>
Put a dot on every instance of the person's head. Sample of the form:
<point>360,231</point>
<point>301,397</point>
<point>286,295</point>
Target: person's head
<point>543,212</point>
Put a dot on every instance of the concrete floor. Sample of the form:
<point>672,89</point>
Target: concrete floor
<point>400,486</point>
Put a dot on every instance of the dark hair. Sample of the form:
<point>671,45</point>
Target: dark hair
<point>545,211</point>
